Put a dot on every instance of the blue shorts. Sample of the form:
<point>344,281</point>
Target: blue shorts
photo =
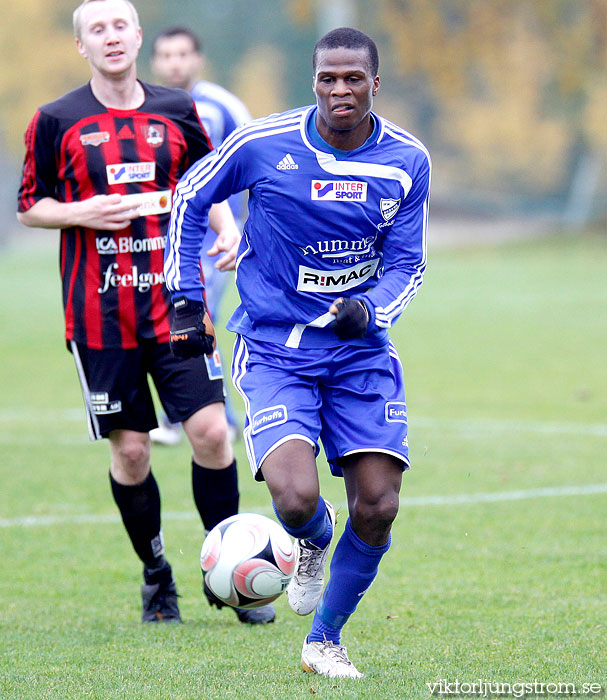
<point>351,398</point>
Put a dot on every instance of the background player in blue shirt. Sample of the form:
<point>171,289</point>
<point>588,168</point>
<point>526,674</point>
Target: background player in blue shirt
<point>333,251</point>
<point>178,61</point>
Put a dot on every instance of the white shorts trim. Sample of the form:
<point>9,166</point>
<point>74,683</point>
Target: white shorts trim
<point>93,423</point>
<point>278,443</point>
<point>377,449</point>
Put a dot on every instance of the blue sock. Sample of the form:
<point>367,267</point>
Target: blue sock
<point>353,569</point>
<point>318,530</point>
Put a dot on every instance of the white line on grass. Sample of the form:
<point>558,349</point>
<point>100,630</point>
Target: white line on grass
<point>464,425</point>
<point>492,425</point>
<point>412,501</point>
<point>544,492</point>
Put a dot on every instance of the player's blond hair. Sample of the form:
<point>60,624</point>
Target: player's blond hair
<point>78,13</point>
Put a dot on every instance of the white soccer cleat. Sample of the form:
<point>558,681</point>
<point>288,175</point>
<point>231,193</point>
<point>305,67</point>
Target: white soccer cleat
<point>306,586</point>
<point>328,659</point>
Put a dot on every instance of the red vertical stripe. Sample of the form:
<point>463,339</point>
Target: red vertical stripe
<point>73,154</point>
<point>127,318</point>
<point>177,148</point>
<point>69,306</point>
<point>158,309</point>
<point>28,185</point>
<point>178,161</point>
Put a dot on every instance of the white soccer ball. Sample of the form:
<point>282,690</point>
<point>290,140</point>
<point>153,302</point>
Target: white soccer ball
<point>247,560</point>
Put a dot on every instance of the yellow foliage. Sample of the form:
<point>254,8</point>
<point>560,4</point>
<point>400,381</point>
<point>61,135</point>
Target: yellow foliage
<point>595,116</point>
<point>40,62</point>
<point>258,80</point>
<point>301,11</point>
<point>506,78</point>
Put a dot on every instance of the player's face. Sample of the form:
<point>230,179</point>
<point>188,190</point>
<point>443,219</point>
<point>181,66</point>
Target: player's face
<point>176,62</point>
<point>109,37</point>
<point>344,89</point>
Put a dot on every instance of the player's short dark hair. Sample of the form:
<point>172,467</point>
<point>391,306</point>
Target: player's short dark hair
<point>348,38</point>
<point>178,31</point>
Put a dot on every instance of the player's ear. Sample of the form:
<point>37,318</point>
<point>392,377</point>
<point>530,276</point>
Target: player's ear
<point>376,82</point>
<point>81,49</point>
<point>139,37</point>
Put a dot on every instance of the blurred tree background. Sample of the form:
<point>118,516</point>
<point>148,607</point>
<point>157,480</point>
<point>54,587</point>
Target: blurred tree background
<point>509,95</point>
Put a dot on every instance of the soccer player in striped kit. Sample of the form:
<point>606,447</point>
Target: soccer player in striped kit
<point>333,251</point>
<point>101,164</point>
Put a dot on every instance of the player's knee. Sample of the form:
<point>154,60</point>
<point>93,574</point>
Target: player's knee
<point>209,436</point>
<point>212,436</point>
<point>131,456</point>
<point>296,508</point>
<point>377,514</point>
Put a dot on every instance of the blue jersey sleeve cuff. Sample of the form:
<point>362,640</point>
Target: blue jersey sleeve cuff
<point>191,294</point>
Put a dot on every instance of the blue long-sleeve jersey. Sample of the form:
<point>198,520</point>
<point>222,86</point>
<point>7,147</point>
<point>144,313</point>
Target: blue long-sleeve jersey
<point>322,224</point>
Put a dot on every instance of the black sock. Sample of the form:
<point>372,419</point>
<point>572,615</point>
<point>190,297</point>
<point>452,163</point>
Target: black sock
<point>160,574</point>
<point>215,493</point>
<point>139,507</point>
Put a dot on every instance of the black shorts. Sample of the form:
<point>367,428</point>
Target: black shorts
<point>117,394</point>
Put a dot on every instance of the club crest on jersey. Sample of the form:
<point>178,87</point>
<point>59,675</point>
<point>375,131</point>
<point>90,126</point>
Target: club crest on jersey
<point>388,207</point>
<point>154,134</point>
<point>268,418</point>
<point>339,191</point>
<point>119,173</point>
<point>94,138</point>
<point>330,281</point>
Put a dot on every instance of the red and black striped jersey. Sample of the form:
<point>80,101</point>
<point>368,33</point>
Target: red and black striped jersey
<point>113,284</point>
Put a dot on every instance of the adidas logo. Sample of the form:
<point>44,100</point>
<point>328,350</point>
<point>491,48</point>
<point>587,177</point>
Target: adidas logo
<point>126,132</point>
<point>287,163</point>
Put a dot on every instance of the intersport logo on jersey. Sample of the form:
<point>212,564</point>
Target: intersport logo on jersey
<point>330,281</point>
<point>339,191</point>
<point>119,173</point>
<point>141,281</point>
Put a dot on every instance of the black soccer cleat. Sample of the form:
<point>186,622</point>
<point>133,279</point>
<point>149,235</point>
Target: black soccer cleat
<point>255,616</point>
<point>159,596</point>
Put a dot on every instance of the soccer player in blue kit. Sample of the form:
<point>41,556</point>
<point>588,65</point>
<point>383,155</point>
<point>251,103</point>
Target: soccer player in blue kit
<point>333,251</point>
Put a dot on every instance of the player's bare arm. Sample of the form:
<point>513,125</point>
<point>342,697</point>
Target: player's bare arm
<point>222,222</point>
<point>102,212</point>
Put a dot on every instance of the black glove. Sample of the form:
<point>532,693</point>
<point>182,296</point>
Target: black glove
<point>192,333</point>
<point>351,319</point>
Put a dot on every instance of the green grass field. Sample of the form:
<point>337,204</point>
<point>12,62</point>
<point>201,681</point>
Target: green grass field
<point>498,569</point>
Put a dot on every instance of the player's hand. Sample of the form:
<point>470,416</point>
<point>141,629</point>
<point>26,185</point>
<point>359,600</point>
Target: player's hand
<point>192,333</point>
<point>105,212</point>
<point>351,318</point>
<point>228,240</point>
